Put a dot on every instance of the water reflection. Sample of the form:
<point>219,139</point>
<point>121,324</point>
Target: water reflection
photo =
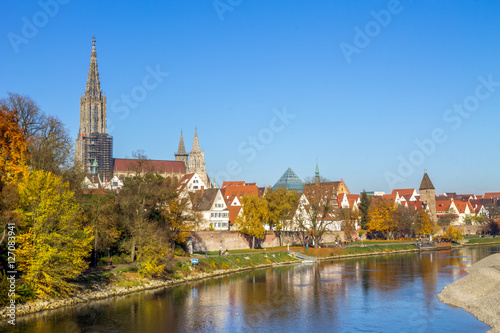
<point>393,293</point>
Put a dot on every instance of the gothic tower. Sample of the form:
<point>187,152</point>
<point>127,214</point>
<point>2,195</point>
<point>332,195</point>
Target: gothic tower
<point>428,195</point>
<point>93,143</point>
<point>197,160</point>
<point>181,153</point>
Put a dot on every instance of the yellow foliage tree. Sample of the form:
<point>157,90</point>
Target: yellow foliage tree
<point>255,214</point>
<point>425,226</point>
<point>53,244</point>
<point>453,233</point>
<point>382,217</point>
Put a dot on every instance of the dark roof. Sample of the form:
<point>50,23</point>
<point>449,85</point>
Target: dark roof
<point>203,202</point>
<point>158,166</point>
<point>426,183</point>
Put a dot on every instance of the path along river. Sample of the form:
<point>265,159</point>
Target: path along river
<point>391,293</point>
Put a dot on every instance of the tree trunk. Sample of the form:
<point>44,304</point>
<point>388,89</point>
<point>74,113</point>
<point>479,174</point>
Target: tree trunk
<point>3,234</point>
<point>132,251</point>
<point>253,242</point>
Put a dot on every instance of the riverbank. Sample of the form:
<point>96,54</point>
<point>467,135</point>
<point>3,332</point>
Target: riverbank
<point>358,251</point>
<point>479,292</point>
<point>105,284</point>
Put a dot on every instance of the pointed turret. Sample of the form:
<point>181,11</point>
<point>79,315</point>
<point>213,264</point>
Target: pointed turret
<point>93,84</point>
<point>316,174</point>
<point>197,160</point>
<point>428,196</point>
<point>181,154</point>
<point>196,144</point>
<point>182,149</point>
<point>426,183</point>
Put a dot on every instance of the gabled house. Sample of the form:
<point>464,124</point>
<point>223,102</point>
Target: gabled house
<point>189,183</point>
<point>232,193</point>
<point>210,204</point>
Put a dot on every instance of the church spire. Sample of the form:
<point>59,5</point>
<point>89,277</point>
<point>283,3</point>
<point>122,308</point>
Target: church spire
<point>182,149</point>
<point>196,144</point>
<point>316,174</point>
<point>93,84</point>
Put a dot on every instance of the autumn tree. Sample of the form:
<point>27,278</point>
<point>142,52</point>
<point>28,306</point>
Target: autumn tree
<point>349,218</point>
<point>253,217</point>
<point>140,202</point>
<point>382,218</point>
<point>53,243</point>
<point>48,141</point>
<point>424,225</point>
<point>445,220</point>
<point>319,214</point>
<point>100,213</point>
<point>406,221</point>
<point>13,146</point>
<point>364,209</point>
<point>281,204</point>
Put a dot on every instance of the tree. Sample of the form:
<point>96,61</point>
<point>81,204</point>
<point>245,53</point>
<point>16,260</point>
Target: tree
<point>453,233</point>
<point>100,213</point>
<point>445,220</point>
<point>364,209</point>
<point>382,218</point>
<point>349,219</point>
<point>13,146</point>
<point>406,219</point>
<point>53,243</point>
<point>255,214</point>
<point>493,227</point>
<point>140,205</point>
<point>319,214</point>
<point>48,141</point>
<point>281,205</point>
<point>424,226</point>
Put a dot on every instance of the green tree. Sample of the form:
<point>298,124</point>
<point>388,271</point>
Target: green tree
<point>100,213</point>
<point>281,204</point>
<point>53,242</point>
<point>364,209</point>
<point>251,220</point>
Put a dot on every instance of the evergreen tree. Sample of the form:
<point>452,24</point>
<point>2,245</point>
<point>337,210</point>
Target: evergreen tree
<point>364,208</point>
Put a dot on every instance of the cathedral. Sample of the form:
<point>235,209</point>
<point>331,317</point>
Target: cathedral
<point>94,147</point>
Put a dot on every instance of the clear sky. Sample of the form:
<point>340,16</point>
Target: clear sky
<point>377,91</point>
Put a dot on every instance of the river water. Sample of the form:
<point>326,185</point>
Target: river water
<point>391,293</point>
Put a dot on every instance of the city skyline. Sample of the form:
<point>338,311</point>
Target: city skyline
<point>377,92</point>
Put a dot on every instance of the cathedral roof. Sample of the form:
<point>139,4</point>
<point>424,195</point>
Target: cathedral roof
<point>290,180</point>
<point>426,183</point>
<point>157,166</point>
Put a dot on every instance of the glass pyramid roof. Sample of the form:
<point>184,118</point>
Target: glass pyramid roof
<point>290,181</point>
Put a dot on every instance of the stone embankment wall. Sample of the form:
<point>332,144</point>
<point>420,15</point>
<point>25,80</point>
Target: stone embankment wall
<point>233,240</point>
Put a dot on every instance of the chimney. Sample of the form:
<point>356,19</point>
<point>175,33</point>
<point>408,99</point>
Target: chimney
<point>202,190</point>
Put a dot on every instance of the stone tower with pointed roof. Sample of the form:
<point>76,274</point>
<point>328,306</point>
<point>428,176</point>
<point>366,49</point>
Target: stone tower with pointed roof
<point>197,160</point>
<point>93,144</point>
<point>428,195</point>
<point>181,154</point>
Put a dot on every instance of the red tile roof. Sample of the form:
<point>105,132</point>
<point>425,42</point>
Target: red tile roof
<point>157,166</point>
<point>403,191</point>
<point>492,195</point>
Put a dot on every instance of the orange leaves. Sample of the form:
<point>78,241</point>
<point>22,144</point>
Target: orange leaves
<point>382,217</point>
<point>13,148</point>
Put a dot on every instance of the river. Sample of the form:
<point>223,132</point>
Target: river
<point>391,293</point>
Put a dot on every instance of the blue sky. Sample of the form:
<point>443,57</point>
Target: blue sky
<point>371,89</point>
